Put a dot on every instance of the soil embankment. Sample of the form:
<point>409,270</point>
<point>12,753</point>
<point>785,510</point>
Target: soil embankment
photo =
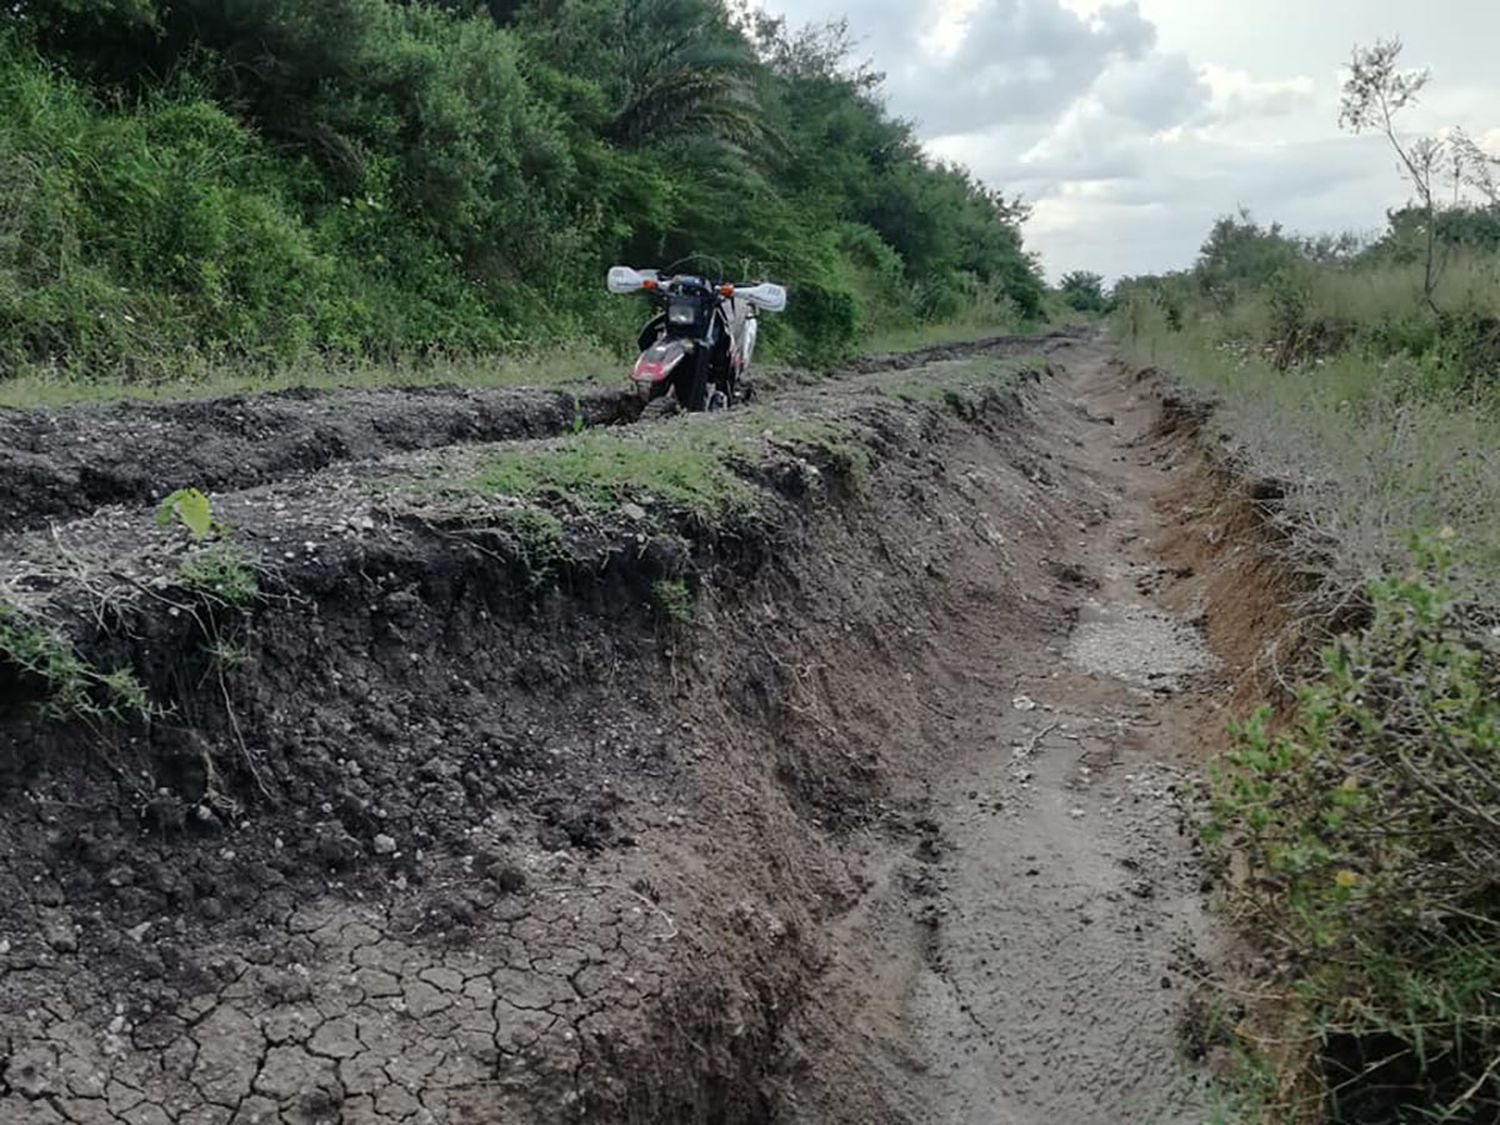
<point>824,764</point>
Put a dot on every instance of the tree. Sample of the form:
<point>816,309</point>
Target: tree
<point>1084,291</point>
<point>1375,92</point>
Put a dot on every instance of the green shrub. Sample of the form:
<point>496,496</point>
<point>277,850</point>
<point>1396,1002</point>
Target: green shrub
<point>1084,292</point>
<point>538,538</point>
<point>1371,833</point>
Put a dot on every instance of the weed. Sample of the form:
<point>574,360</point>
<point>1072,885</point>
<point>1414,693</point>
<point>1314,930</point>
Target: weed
<point>538,536</point>
<point>124,694</point>
<point>229,655</point>
<point>673,601</point>
<point>222,572</point>
<point>70,687</point>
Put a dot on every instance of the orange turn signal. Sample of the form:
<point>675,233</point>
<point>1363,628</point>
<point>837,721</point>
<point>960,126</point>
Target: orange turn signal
<point>649,283</point>
<point>726,290</point>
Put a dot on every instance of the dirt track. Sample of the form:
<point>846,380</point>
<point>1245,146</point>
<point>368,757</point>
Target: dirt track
<point>891,834</point>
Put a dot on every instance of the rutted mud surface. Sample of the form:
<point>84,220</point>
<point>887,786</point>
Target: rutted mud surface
<point>66,463</point>
<point>63,463</point>
<point>891,834</point>
<point>1072,913</point>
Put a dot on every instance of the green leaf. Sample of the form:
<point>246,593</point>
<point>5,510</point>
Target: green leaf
<point>195,512</point>
<point>167,511</point>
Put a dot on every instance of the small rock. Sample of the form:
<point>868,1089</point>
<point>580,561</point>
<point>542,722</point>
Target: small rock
<point>59,932</point>
<point>384,845</point>
<point>1023,703</point>
<point>632,511</point>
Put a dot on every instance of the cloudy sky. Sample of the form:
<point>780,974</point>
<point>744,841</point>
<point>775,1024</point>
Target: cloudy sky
<point>1132,125</point>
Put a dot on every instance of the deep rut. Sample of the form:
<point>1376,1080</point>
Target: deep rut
<point>1058,897</point>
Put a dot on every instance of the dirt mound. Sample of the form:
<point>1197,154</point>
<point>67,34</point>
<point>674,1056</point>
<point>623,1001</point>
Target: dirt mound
<point>60,464</point>
<point>969,349</point>
<point>470,785</point>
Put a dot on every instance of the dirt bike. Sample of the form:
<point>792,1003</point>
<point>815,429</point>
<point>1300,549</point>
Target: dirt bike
<point>699,342</point>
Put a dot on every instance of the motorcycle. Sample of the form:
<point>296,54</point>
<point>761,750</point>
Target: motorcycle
<point>700,339</point>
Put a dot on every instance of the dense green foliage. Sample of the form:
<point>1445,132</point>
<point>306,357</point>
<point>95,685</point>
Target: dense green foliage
<point>184,180</point>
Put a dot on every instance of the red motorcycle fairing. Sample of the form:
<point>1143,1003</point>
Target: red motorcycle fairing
<point>658,362</point>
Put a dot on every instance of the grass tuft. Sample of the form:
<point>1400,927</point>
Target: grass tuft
<point>222,572</point>
<point>673,601</point>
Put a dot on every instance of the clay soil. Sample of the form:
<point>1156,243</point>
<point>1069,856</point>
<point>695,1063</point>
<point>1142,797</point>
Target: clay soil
<point>889,827</point>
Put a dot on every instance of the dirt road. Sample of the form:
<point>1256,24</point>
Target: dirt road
<point>471,832</point>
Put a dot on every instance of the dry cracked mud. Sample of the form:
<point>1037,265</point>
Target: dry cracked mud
<point>890,831</point>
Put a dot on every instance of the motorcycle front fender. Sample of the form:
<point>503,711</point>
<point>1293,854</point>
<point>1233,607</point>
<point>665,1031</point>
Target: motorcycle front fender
<point>658,362</point>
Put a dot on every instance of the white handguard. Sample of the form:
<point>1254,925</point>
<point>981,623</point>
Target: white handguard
<point>765,296</point>
<point>623,279</point>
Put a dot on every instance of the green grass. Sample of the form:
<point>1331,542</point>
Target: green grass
<point>575,366</point>
<point>673,601</point>
<point>683,464</point>
<point>538,537</point>
<point>913,337</point>
<point>956,382</point>
<point>837,442</point>
<point>701,465</point>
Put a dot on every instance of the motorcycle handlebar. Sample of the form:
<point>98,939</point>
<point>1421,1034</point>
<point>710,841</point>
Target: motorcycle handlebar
<point>762,295</point>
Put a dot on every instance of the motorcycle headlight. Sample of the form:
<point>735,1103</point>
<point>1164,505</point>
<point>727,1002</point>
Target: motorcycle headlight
<point>682,312</point>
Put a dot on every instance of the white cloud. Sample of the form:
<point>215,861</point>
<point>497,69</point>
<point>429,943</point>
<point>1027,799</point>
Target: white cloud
<point>1156,92</point>
<point>1237,95</point>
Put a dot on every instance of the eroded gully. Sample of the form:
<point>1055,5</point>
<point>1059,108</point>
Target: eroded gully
<point>1057,898</point>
